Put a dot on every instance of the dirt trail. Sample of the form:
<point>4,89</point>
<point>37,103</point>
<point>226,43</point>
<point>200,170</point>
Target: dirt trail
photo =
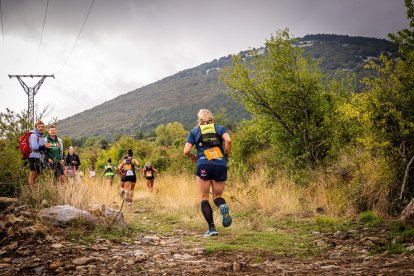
<point>29,248</point>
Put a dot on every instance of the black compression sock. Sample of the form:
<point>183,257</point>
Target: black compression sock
<point>219,201</point>
<point>208,213</point>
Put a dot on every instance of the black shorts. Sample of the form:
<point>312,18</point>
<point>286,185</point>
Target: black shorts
<point>57,169</point>
<point>130,178</point>
<point>212,172</point>
<point>35,164</point>
<point>149,178</point>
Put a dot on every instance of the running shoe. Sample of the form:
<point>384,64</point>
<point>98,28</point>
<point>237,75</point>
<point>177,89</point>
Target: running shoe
<point>225,216</point>
<point>211,232</point>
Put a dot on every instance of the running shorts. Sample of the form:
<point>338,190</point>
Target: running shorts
<point>212,172</point>
<point>130,178</point>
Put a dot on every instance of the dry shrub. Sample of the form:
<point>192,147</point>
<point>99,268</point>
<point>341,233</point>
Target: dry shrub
<point>357,181</point>
<point>281,197</point>
<point>78,194</point>
<point>175,194</point>
<point>327,194</point>
<point>88,191</point>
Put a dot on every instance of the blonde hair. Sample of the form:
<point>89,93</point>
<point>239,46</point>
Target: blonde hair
<point>39,122</point>
<point>205,117</point>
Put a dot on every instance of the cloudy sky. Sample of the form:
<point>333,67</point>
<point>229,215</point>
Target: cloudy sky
<point>126,44</point>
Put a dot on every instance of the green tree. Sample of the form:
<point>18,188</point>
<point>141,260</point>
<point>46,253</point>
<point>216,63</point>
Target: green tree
<point>91,141</point>
<point>386,107</point>
<point>287,92</point>
<point>138,134</point>
<point>104,144</point>
<point>168,134</point>
<point>221,117</point>
<point>13,173</point>
<point>66,142</point>
<point>13,125</point>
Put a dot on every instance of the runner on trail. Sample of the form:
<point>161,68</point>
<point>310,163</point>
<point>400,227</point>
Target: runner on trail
<point>129,165</point>
<point>54,154</point>
<point>149,174</point>
<point>72,163</point>
<point>122,175</point>
<point>213,145</point>
<point>109,170</point>
<point>38,146</point>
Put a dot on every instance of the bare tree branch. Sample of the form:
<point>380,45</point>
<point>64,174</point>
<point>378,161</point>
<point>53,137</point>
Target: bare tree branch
<point>406,178</point>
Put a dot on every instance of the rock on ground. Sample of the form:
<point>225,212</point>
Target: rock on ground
<point>63,214</point>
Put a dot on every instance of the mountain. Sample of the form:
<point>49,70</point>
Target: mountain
<point>180,96</point>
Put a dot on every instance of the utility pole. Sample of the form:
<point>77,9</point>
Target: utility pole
<point>31,92</point>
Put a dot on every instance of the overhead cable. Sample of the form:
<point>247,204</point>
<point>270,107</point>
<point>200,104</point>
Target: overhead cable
<point>1,18</point>
<point>77,38</point>
<point>41,36</point>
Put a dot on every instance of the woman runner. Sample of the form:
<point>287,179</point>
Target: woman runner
<point>129,165</point>
<point>149,174</point>
<point>213,145</point>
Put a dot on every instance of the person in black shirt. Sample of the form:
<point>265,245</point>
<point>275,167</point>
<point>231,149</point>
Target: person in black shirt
<point>72,163</point>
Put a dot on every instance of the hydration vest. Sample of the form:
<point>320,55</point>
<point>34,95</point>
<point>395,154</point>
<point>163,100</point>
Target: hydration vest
<point>128,164</point>
<point>109,169</point>
<point>209,137</point>
<point>148,171</point>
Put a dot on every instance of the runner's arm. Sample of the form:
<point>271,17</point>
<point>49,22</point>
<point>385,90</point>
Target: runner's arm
<point>187,151</point>
<point>227,145</point>
<point>137,163</point>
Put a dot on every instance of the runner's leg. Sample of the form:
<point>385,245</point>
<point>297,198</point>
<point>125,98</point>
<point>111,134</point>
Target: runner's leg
<point>127,189</point>
<point>218,188</point>
<point>148,182</point>
<point>131,194</point>
<point>204,190</point>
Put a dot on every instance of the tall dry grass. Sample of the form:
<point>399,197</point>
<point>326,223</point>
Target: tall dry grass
<point>337,191</point>
<point>76,193</point>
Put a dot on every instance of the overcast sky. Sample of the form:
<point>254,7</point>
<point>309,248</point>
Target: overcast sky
<point>127,44</point>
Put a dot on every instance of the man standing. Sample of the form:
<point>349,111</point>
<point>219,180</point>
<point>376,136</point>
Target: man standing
<point>54,154</point>
<point>37,148</point>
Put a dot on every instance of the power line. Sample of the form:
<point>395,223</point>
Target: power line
<point>41,37</point>
<point>31,92</point>
<point>1,18</point>
<point>77,38</point>
<point>58,83</point>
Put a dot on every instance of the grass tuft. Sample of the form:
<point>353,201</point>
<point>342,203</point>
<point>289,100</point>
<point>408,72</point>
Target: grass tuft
<point>371,219</point>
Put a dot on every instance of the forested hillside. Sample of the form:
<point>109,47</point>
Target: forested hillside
<point>178,97</point>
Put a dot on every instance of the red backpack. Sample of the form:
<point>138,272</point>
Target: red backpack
<point>25,145</point>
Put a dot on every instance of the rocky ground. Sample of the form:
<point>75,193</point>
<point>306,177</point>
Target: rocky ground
<point>27,247</point>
